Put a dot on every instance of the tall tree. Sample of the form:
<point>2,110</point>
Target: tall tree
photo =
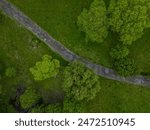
<point>46,68</point>
<point>129,18</point>
<point>80,82</point>
<point>94,22</point>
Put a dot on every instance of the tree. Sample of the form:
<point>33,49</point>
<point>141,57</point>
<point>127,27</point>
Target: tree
<point>10,72</point>
<point>80,82</point>
<point>120,51</point>
<point>70,105</point>
<point>29,97</point>
<point>129,18</point>
<point>125,66</point>
<point>94,22</point>
<point>46,68</point>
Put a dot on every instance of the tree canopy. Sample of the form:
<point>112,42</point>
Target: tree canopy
<point>80,82</point>
<point>46,68</point>
<point>125,66</point>
<point>129,18</point>
<point>71,105</point>
<point>94,22</point>
<point>29,97</point>
<point>120,51</point>
<point>10,72</point>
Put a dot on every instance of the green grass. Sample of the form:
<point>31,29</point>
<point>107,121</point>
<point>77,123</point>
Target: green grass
<point>18,50</point>
<point>59,18</point>
<point>141,52</point>
<point>120,97</point>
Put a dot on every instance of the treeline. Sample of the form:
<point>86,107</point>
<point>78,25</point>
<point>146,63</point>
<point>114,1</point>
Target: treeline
<point>126,18</point>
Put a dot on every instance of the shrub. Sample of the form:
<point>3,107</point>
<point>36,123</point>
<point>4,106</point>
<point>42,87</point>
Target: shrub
<point>125,66</point>
<point>120,51</point>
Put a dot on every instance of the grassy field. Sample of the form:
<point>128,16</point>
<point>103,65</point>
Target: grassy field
<point>19,50</point>
<point>120,97</point>
<point>59,18</point>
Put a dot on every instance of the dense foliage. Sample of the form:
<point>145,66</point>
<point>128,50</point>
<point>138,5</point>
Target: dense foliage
<point>119,52</point>
<point>129,18</point>
<point>80,82</point>
<point>125,66</point>
<point>29,97</point>
<point>71,105</point>
<point>94,22</point>
<point>46,68</point>
<point>10,72</point>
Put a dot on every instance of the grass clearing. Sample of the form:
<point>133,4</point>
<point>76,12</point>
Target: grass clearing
<point>120,97</point>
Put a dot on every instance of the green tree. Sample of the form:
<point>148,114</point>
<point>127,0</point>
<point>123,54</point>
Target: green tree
<point>46,68</point>
<point>94,22</point>
<point>129,18</point>
<point>120,51</point>
<point>70,105</point>
<point>125,66</point>
<point>10,72</point>
<point>80,82</point>
<point>29,97</point>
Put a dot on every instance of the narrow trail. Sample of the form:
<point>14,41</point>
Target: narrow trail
<point>57,47</point>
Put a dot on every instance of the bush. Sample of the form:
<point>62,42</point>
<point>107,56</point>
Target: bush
<point>29,97</point>
<point>120,51</point>
<point>125,66</point>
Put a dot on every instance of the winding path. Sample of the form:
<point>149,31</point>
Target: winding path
<point>57,47</point>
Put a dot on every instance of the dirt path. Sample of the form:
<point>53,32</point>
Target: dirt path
<point>57,47</point>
